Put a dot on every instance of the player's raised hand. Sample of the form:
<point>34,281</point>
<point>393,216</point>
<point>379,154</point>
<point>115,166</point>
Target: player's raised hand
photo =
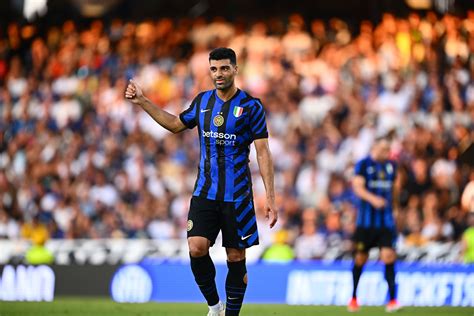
<point>271,213</point>
<point>134,92</point>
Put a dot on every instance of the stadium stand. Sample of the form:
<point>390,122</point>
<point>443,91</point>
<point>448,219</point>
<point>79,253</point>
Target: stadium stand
<point>78,158</point>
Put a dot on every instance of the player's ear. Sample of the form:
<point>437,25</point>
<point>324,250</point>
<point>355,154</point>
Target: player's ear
<point>236,69</point>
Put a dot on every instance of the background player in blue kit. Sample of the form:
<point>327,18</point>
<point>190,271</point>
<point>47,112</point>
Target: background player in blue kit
<point>228,121</point>
<point>374,183</point>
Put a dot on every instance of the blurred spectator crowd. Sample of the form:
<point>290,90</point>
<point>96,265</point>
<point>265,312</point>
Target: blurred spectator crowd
<point>78,159</point>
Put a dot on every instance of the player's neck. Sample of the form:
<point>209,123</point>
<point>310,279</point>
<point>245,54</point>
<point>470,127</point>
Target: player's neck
<point>374,158</point>
<point>227,94</point>
<point>377,159</point>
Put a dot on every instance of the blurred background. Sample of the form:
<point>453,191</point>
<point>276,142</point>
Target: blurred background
<point>89,181</point>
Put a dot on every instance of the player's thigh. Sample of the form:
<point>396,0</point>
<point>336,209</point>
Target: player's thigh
<point>239,224</point>
<point>388,255</point>
<point>203,219</point>
<point>198,246</point>
<point>363,240</point>
<point>387,239</point>
<point>360,258</point>
<point>235,255</point>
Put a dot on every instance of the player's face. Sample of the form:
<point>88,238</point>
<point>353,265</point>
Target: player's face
<point>222,73</point>
<point>382,151</point>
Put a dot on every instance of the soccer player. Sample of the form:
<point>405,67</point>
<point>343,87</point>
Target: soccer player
<point>228,121</point>
<point>374,183</point>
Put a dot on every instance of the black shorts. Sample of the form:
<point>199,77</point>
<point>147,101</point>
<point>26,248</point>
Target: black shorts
<point>366,238</point>
<point>236,220</point>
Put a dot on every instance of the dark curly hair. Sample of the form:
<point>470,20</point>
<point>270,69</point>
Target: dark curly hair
<point>223,53</point>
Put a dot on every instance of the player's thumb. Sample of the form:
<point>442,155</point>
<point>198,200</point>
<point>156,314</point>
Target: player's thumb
<point>134,83</point>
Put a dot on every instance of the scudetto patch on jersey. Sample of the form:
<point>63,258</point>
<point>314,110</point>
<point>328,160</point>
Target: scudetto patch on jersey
<point>238,110</point>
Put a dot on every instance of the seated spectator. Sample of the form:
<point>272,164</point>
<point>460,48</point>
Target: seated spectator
<point>467,250</point>
<point>310,244</point>
<point>280,251</point>
<point>37,233</point>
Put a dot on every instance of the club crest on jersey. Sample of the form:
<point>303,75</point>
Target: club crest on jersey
<point>238,111</point>
<point>218,120</point>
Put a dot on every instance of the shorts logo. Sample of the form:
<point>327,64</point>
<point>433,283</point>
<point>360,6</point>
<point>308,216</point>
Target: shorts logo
<point>190,225</point>
<point>245,237</point>
<point>218,120</point>
<point>360,246</point>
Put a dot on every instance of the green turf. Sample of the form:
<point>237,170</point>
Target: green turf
<point>104,307</point>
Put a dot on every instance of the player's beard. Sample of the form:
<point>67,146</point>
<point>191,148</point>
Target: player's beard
<point>225,85</point>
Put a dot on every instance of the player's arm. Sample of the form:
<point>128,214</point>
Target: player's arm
<point>467,198</point>
<point>265,164</point>
<point>397,186</point>
<point>169,121</point>
<point>358,184</point>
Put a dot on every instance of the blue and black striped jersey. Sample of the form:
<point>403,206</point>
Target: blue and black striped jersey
<point>226,130</point>
<point>379,180</point>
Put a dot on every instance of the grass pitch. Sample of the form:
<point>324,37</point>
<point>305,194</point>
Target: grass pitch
<point>106,307</point>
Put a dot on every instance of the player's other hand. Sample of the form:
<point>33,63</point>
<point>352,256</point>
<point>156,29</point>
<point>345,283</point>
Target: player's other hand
<point>134,92</point>
<point>378,202</point>
<point>271,213</point>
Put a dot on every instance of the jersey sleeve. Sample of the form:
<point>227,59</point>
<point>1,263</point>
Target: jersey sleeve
<point>258,124</point>
<point>359,168</point>
<point>395,167</point>
<point>189,116</point>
